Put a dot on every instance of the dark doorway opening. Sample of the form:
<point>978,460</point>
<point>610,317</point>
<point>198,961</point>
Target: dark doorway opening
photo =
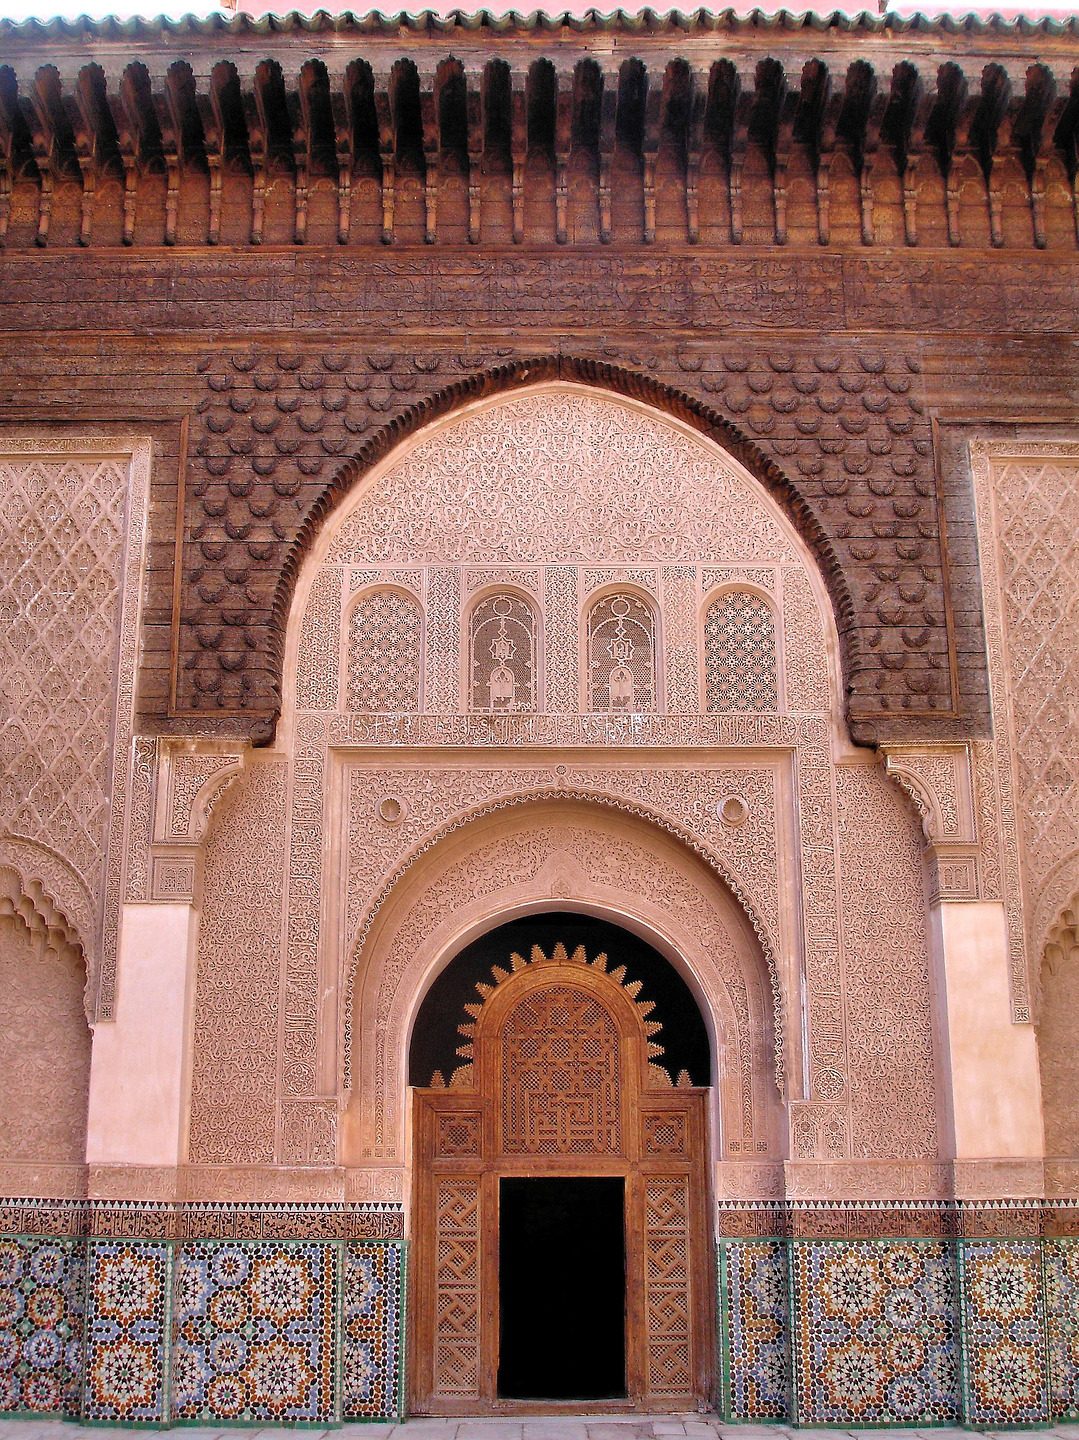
<point>562,1289</point>
<point>435,1036</point>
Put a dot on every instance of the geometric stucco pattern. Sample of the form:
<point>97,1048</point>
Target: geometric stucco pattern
<point>233,1089</point>
<point>61,529</point>
<point>1027,497</point>
<point>69,509</point>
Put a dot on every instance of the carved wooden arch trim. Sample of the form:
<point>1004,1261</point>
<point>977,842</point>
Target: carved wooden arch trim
<point>519,375</point>
<point>489,1013</point>
<point>667,823</point>
<point>496,1072</point>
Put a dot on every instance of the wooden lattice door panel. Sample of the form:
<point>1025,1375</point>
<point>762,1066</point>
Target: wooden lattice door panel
<point>674,1262</point>
<point>452,1196</point>
<point>457,1287</point>
<point>561,1076</point>
<point>668,1299</point>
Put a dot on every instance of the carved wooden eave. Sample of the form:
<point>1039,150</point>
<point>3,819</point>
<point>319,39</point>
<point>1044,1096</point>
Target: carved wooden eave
<point>537,110</point>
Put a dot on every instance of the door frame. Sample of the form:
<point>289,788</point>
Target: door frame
<point>458,1162</point>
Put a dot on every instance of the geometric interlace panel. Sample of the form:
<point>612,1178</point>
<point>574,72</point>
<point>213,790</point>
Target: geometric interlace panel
<point>740,668</point>
<point>385,633</point>
<point>503,654</point>
<point>61,548</point>
<point>561,1082</point>
<point>621,655</point>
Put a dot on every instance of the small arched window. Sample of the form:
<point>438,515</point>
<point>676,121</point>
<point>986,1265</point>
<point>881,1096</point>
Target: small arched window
<point>621,655</point>
<point>502,655</point>
<point>740,669</point>
<point>385,652</point>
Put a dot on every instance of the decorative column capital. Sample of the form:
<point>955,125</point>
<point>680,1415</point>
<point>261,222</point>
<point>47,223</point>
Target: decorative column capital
<point>938,779</point>
<point>192,776</point>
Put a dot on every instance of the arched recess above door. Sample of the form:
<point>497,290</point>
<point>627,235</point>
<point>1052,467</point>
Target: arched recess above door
<point>448,1014</point>
<point>565,854</point>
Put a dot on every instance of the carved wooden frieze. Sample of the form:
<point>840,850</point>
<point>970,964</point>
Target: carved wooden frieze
<point>448,135</point>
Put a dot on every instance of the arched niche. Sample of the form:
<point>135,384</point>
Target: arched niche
<point>1058,1054</point>
<point>569,855</point>
<point>44,1043</point>
<point>682,1047</point>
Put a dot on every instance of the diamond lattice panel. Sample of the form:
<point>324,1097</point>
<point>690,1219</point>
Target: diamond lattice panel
<point>61,539</point>
<point>1038,528</point>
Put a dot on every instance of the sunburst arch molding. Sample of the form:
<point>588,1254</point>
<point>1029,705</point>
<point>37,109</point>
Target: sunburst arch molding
<point>463,1075</point>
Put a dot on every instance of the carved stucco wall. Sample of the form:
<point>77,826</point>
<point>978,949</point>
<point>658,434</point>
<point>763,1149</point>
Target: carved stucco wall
<point>562,494</point>
<point>886,975</point>
<point>572,853</point>
<point>72,521</point>
<point>1057,1050</point>
<point>1027,501</point>
<point>72,516</point>
<point>236,1045</point>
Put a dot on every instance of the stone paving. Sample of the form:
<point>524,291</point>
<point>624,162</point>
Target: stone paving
<point>547,1427</point>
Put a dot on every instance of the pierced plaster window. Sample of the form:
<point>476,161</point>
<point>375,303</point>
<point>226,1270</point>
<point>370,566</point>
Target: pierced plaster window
<point>740,670</point>
<point>385,649</point>
<point>621,655</point>
<point>502,655</point>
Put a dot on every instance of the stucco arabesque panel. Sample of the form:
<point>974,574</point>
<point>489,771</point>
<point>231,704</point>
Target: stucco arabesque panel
<point>237,1014</point>
<point>425,802</point>
<point>72,540</point>
<point>601,482</point>
<point>886,965</point>
<point>1027,504</point>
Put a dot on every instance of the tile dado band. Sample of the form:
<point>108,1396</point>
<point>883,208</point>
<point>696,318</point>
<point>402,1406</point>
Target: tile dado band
<point>160,1331</point>
<point>176,1328</point>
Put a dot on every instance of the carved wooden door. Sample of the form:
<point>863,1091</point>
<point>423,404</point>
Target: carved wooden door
<point>559,1079</point>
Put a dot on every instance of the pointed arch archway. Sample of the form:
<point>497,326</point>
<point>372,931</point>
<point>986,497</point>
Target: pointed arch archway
<point>593,375</point>
<point>571,852</point>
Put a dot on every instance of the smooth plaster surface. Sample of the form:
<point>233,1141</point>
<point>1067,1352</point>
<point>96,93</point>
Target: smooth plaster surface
<point>138,1073</point>
<point>995,1084</point>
